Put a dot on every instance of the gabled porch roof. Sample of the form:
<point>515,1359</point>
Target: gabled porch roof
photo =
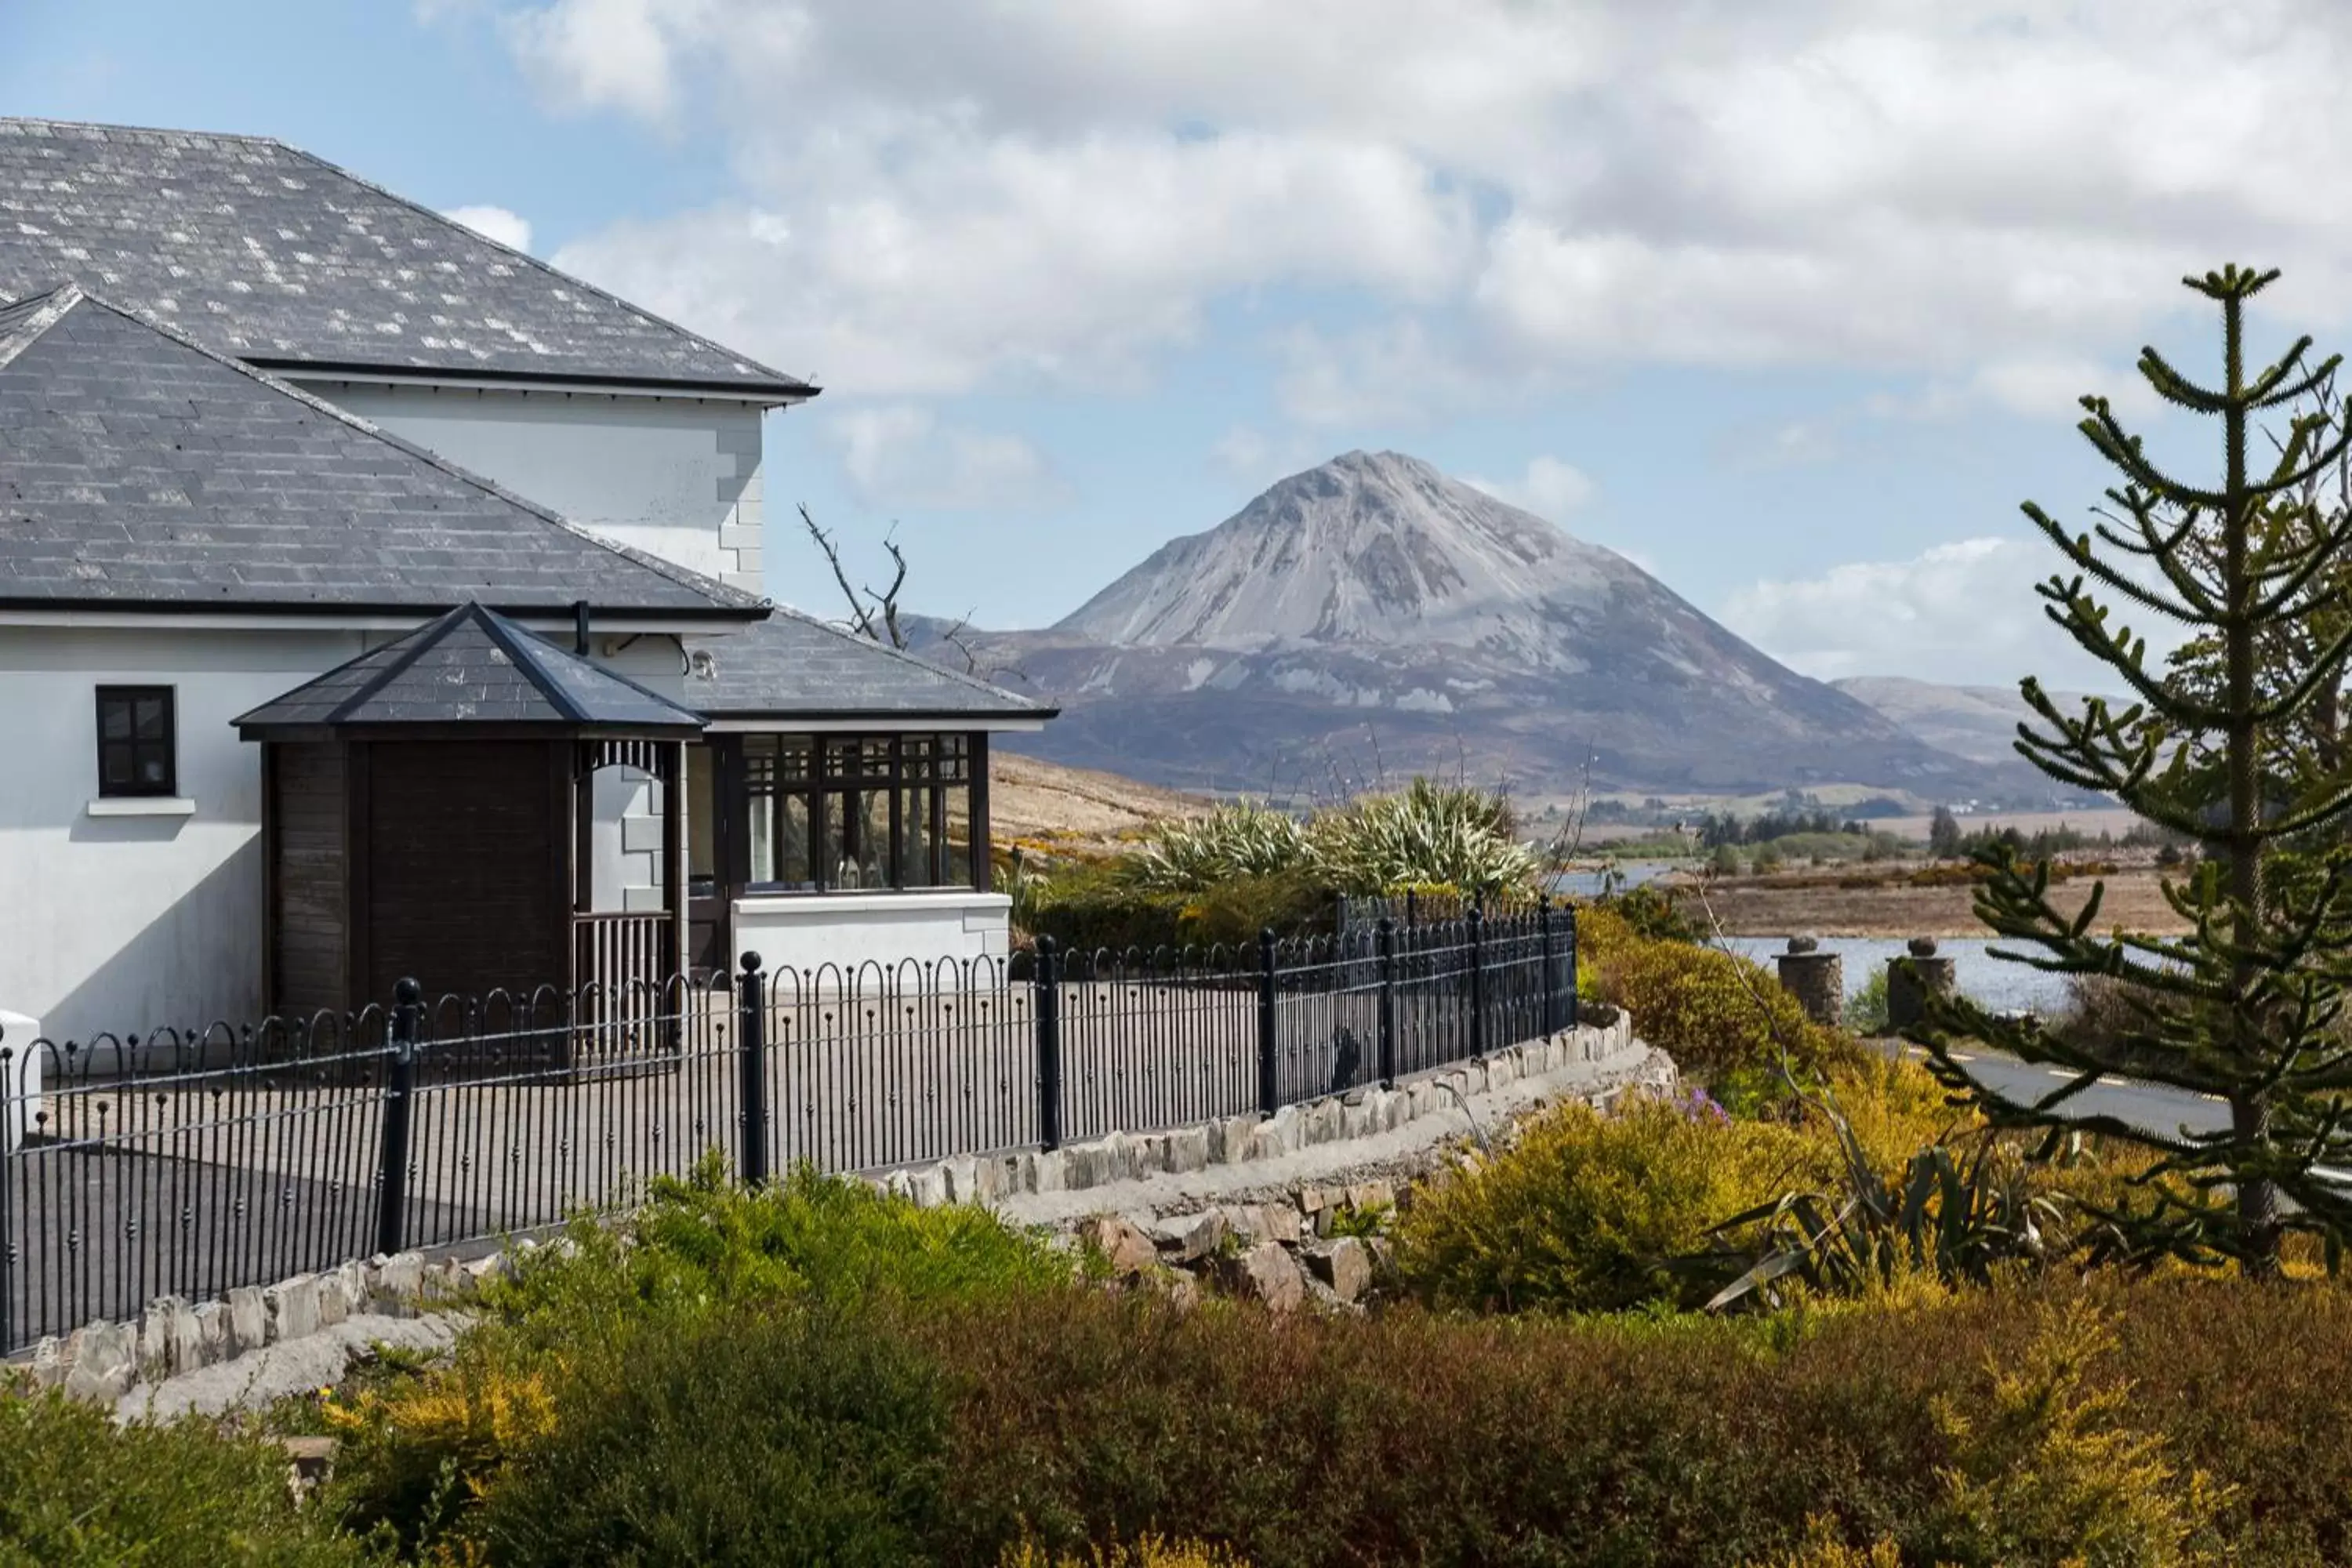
<point>470,668</point>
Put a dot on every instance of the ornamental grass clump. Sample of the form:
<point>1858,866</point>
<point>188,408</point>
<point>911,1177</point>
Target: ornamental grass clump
<point>1240,839</point>
<point>1450,834</point>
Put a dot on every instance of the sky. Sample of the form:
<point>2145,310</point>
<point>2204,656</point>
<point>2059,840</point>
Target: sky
<point>1792,304</point>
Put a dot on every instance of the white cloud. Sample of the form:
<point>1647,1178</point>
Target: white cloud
<point>938,198</point>
<point>1960,612</point>
<point>604,54</point>
<point>1549,489</point>
<point>900,455</point>
<point>510,229</point>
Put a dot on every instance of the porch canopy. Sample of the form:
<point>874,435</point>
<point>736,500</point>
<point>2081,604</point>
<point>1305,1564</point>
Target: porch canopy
<point>428,811</point>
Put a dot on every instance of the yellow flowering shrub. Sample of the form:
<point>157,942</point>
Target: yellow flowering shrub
<point>427,1452</point>
<point>1584,1211</point>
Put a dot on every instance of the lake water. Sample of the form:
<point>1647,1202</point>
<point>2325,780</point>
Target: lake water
<point>1632,874</point>
<point>1990,982</point>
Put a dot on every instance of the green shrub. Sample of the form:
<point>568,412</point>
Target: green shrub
<point>82,1490</point>
<point>703,1243</point>
<point>1715,1012</point>
<point>1231,914</point>
<point>1586,1211</point>
<point>1865,1010</point>
<point>792,1437</point>
<point>1097,906</point>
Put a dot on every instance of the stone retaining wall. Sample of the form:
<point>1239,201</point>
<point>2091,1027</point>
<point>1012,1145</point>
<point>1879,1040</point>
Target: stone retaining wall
<point>1234,1139</point>
<point>172,1336</point>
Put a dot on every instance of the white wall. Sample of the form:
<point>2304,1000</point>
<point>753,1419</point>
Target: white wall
<point>675,477</point>
<point>808,931</point>
<point>126,923</point>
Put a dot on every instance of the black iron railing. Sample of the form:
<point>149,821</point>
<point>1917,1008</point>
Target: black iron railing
<point>189,1163</point>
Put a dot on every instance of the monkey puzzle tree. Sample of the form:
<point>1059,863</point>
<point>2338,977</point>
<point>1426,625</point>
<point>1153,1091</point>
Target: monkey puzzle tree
<point>2249,1007</point>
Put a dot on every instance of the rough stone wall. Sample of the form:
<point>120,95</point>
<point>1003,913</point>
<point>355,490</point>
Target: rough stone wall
<point>174,1337</point>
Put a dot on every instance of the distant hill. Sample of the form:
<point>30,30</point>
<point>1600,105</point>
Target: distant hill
<point>1979,723</point>
<point>1372,617</point>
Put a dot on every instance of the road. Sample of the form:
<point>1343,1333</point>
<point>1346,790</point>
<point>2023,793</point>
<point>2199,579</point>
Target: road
<point>2152,1107</point>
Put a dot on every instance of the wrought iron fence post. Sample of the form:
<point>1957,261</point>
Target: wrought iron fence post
<point>1047,1012</point>
<point>1476,921</point>
<point>1388,1002</point>
<point>751,1053</point>
<point>1550,970</point>
<point>12,1091</point>
<point>1269,1092</point>
<point>400,1082</point>
<point>1571,969</point>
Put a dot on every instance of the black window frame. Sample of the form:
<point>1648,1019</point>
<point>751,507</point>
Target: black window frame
<point>934,770</point>
<point>137,748</point>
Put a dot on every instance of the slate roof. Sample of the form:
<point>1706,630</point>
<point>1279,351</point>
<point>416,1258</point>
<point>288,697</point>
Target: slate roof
<point>795,665</point>
<point>280,258</point>
<point>470,667</point>
<point>139,468</point>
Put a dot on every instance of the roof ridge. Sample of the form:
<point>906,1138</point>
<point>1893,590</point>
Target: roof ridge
<point>143,130</point>
<point>62,298</point>
<point>956,675</point>
<point>527,660</point>
<point>548,268</point>
<point>709,587</point>
<point>424,637</point>
<point>536,647</point>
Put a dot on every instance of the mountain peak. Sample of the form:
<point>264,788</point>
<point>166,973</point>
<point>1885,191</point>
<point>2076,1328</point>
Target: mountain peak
<point>1375,548</point>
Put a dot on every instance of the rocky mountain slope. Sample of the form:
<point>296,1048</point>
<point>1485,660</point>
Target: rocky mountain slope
<point>1372,617</point>
<point>1979,723</point>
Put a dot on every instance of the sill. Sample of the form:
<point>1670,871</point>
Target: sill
<point>143,806</point>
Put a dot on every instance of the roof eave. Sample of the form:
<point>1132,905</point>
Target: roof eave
<point>645,617</point>
<point>776,392</point>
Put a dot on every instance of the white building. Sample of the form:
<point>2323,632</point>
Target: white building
<point>258,417</point>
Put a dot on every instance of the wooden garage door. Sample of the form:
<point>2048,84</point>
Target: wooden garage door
<point>463,874</point>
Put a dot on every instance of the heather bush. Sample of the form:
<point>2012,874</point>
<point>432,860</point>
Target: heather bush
<point>83,1491</point>
<point>1694,1443</point>
<point>1151,1551</point>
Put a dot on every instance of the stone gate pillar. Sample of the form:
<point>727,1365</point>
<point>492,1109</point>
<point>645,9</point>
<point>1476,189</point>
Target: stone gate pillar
<point>1816,979</point>
<point>1911,980</point>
